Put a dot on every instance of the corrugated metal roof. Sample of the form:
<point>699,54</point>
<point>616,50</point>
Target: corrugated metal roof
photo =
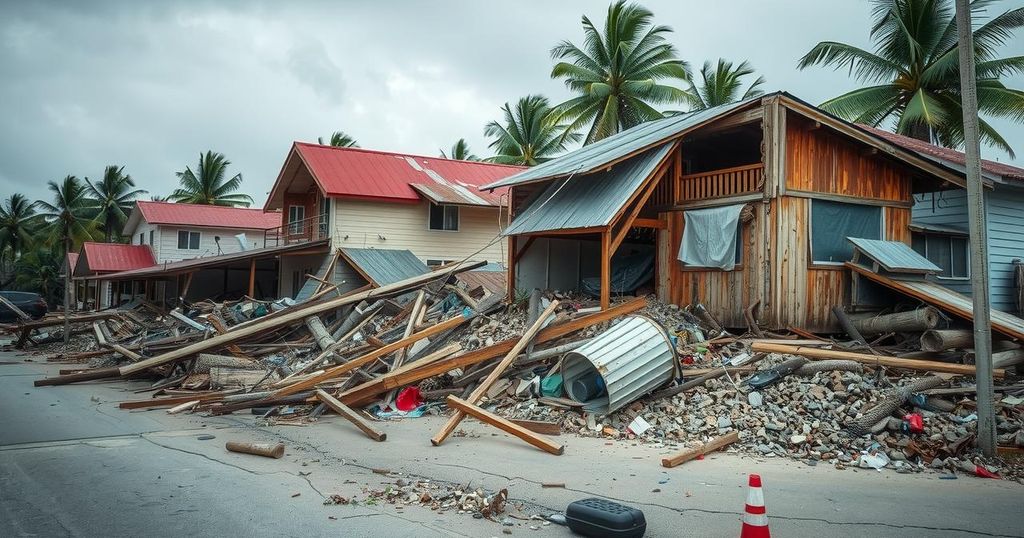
<point>456,194</point>
<point>586,202</point>
<point>894,256</point>
<point>376,174</point>
<point>597,155</point>
<point>938,228</point>
<point>113,257</point>
<point>202,215</point>
<point>385,266</point>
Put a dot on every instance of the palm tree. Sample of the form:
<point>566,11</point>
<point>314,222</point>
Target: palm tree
<point>17,219</point>
<point>460,152</point>
<point>722,84</point>
<point>339,140</point>
<point>914,71</point>
<point>527,136</point>
<point>40,269</point>
<point>67,221</point>
<point>617,73</point>
<point>207,184</point>
<point>112,200</point>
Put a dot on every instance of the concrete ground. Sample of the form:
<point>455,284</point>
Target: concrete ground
<point>73,464</point>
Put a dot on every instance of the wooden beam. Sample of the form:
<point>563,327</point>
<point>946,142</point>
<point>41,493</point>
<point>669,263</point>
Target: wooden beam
<point>350,415</point>
<point>525,247</point>
<point>711,446</point>
<point>486,417</point>
<point>188,283</point>
<point>606,270</point>
<point>656,179</point>
<point>510,270</point>
<point>872,360</point>
<point>252,277</point>
<point>481,390</point>
<point>649,223</point>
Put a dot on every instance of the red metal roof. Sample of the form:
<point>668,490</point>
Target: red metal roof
<point>383,175</point>
<point>72,260</point>
<point>1003,170</point>
<point>208,215</point>
<point>105,257</point>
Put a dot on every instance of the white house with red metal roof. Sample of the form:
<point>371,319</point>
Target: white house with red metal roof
<point>363,198</point>
<point>96,259</point>
<point>178,232</point>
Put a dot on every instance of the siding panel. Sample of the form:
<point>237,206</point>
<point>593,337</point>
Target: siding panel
<point>1004,210</point>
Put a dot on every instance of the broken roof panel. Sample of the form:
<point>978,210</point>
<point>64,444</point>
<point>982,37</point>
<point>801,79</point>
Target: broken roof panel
<point>597,155</point>
<point>587,202</point>
<point>384,266</point>
<point>894,256</point>
<point>112,257</point>
<point>456,194</point>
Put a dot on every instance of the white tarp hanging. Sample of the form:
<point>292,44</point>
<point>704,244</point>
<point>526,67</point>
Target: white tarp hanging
<point>709,237</point>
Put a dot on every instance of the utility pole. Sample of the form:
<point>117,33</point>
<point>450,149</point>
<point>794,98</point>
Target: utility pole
<point>978,234</point>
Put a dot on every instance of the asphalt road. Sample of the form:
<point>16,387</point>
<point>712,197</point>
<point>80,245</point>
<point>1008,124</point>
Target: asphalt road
<point>72,464</point>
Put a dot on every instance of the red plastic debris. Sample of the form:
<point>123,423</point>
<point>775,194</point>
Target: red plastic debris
<point>982,472</point>
<point>409,398</point>
<point>913,423</point>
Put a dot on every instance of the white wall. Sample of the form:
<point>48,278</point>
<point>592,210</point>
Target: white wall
<point>404,226</point>
<point>166,247</point>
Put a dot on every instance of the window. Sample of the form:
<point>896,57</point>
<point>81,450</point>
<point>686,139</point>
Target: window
<point>950,252</point>
<point>296,219</point>
<point>833,222</point>
<point>188,240</point>
<point>151,238</point>
<point>444,217</point>
<point>142,238</point>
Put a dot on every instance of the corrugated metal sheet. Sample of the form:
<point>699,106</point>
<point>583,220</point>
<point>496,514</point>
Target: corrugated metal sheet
<point>597,155</point>
<point>113,257</point>
<point>205,215</point>
<point>946,300</point>
<point>492,281</point>
<point>588,201</point>
<point>894,256</point>
<point>385,266</point>
<point>377,174</point>
<point>633,358</point>
<point>456,195</point>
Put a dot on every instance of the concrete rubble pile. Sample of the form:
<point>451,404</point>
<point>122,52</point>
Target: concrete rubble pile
<point>555,363</point>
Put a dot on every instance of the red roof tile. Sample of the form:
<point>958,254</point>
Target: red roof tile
<point>106,257</point>
<point>377,174</point>
<point>1003,170</point>
<point>208,215</point>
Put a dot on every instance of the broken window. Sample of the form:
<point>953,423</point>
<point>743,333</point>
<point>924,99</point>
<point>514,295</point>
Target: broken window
<point>188,240</point>
<point>832,222</point>
<point>444,217</point>
<point>949,252</point>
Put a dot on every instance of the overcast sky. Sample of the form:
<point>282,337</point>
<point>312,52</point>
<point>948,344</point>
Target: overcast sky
<point>150,85</point>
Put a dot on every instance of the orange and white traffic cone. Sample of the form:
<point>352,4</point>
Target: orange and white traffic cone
<point>755,518</point>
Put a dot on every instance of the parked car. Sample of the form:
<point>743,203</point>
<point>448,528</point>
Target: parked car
<point>32,304</point>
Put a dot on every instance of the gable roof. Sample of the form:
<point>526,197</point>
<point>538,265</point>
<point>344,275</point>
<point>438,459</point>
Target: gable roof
<point>210,216</point>
<point>112,257</point>
<point>389,176</point>
<point>946,155</point>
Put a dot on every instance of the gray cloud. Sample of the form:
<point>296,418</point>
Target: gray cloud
<point>152,84</point>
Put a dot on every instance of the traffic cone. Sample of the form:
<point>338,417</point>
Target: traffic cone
<point>755,519</point>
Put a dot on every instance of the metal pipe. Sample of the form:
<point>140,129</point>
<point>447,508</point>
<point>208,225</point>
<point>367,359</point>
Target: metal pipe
<point>978,233</point>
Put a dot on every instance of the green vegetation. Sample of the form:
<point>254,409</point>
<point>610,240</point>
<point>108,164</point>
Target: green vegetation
<point>207,184</point>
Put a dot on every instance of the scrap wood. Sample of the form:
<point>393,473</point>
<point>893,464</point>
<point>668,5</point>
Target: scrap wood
<point>477,395</point>
<point>365,393</point>
<point>711,446</point>
<point>803,333</point>
<point>350,415</point>
<point>466,408</point>
<point>872,360</point>
<point>257,449</point>
<point>218,325</point>
<point>540,426</point>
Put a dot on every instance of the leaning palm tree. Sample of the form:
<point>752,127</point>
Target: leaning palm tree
<point>460,152</point>
<point>527,136</point>
<point>67,218</point>
<point>617,72</point>
<point>206,185</point>
<point>112,199</point>
<point>721,84</point>
<point>17,218</point>
<point>339,140</point>
<point>913,73</point>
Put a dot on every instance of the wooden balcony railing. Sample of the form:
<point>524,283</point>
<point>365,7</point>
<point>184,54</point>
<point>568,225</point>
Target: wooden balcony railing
<point>718,183</point>
<point>300,231</point>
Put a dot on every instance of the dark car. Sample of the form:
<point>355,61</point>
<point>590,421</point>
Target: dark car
<point>30,303</point>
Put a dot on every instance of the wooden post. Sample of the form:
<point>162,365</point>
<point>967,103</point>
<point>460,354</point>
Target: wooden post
<point>711,446</point>
<point>351,416</point>
<point>188,283</point>
<point>252,277</point>
<point>487,417</point>
<point>510,271</point>
<point>498,371</point>
<point>606,269</point>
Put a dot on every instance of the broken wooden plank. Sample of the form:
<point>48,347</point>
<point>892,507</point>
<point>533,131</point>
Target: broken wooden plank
<point>481,390</point>
<point>507,426</point>
<point>711,446</point>
<point>863,358</point>
<point>539,426</point>
<point>350,415</point>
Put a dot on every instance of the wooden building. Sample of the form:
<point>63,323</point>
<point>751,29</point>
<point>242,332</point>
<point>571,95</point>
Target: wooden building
<point>806,179</point>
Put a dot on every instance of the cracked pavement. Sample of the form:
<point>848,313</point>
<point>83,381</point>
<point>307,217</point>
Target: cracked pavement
<point>72,464</point>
